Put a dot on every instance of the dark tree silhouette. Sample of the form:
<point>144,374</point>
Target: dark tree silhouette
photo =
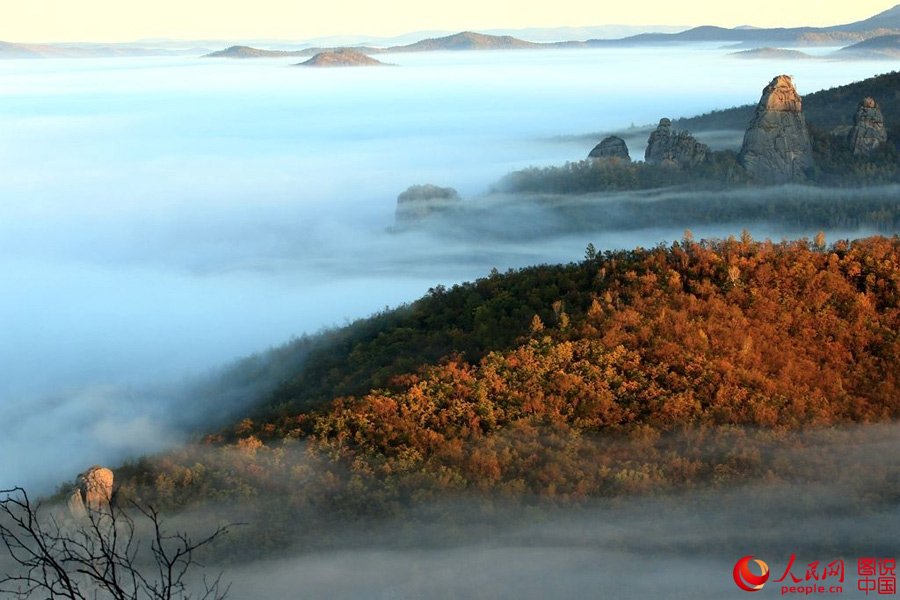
<point>109,554</point>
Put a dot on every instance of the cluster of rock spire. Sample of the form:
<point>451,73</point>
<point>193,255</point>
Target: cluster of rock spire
<point>776,147</point>
<point>674,148</point>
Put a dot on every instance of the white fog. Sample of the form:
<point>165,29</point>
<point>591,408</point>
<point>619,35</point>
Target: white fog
<point>162,216</point>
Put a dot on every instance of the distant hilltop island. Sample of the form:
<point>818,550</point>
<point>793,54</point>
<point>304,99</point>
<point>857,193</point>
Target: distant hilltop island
<point>249,52</point>
<point>466,40</point>
<point>770,53</point>
<point>342,57</point>
<point>882,46</point>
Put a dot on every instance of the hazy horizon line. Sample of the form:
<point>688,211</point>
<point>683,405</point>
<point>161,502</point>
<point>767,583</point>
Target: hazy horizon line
<point>425,33</point>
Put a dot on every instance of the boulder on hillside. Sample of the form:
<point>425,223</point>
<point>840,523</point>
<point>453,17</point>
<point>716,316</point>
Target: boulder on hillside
<point>612,147</point>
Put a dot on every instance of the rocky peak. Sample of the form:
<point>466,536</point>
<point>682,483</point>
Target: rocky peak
<point>781,96</point>
<point>776,145</point>
<point>658,142</point>
<point>868,132</point>
<point>612,147</point>
<point>670,148</point>
<point>92,491</point>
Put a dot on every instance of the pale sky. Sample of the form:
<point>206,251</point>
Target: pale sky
<point>128,20</point>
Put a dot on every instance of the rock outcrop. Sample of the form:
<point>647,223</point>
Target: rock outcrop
<point>670,148</point>
<point>612,147</point>
<point>419,201</point>
<point>776,146</point>
<point>868,132</point>
<point>92,491</point>
<point>75,504</point>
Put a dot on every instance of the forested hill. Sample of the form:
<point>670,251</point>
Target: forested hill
<point>792,320</point>
<point>825,109</point>
<point>628,372</point>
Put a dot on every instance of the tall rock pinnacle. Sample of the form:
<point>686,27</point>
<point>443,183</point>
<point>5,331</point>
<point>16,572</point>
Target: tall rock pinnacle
<point>776,145</point>
<point>868,133</point>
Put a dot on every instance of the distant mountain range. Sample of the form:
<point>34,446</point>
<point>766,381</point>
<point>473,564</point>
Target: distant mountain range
<point>466,40</point>
<point>532,34</point>
<point>883,46</point>
<point>249,52</point>
<point>885,25</point>
<point>881,24</point>
<point>9,50</point>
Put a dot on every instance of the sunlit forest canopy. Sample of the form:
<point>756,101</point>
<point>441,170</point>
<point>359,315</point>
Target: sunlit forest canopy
<point>641,371</point>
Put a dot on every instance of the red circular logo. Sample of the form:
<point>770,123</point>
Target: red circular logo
<point>746,580</point>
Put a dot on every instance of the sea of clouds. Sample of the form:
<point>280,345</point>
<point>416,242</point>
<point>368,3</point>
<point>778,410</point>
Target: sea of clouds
<point>162,216</point>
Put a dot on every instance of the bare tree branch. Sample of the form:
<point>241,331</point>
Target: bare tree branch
<point>99,556</point>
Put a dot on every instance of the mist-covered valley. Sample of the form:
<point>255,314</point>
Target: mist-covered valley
<point>680,545</point>
<point>162,218</point>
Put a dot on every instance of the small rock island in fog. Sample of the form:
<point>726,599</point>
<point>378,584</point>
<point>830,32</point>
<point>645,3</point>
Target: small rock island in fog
<point>342,57</point>
<point>420,201</point>
<point>772,54</point>
<point>250,52</point>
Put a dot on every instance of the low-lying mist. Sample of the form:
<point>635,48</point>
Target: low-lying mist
<point>159,217</point>
<point>825,495</point>
<point>641,218</point>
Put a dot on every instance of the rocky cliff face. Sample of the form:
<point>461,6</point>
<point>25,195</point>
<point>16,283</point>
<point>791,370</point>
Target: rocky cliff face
<point>92,491</point>
<point>612,147</point>
<point>868,132</point>
<point>670,148</point>
<point>776,145</point>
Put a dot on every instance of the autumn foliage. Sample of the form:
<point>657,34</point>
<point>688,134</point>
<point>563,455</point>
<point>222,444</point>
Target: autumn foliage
<point>630,372</point>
